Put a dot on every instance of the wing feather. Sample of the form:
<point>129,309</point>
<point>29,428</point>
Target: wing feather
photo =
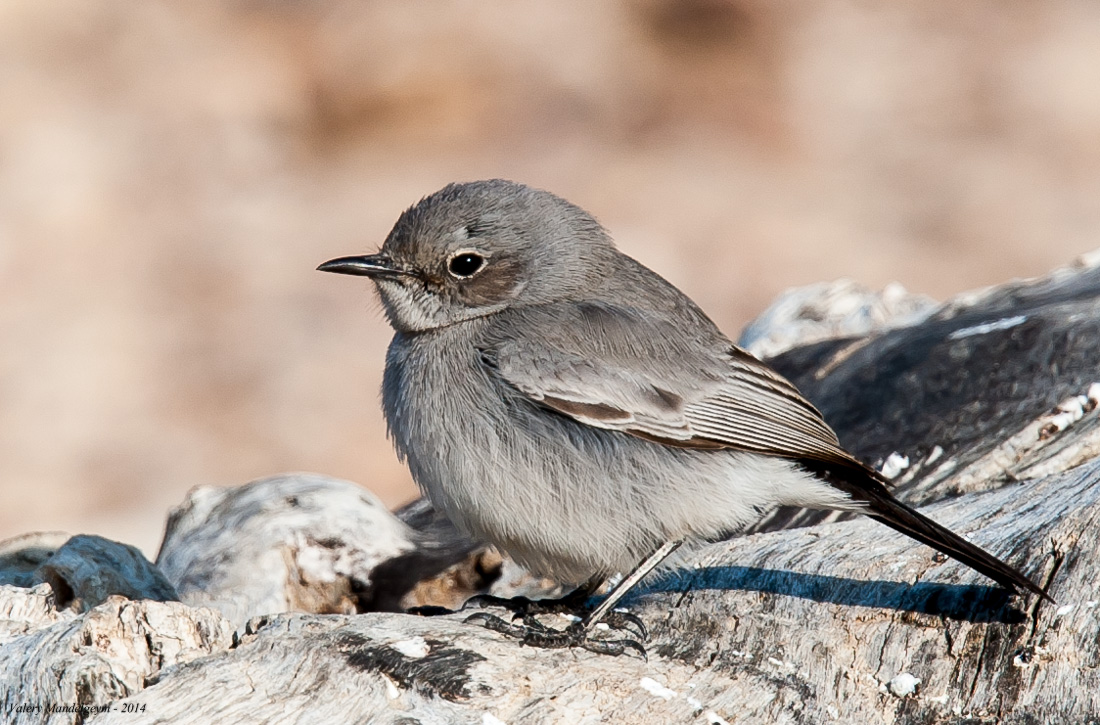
<point>632,373</point>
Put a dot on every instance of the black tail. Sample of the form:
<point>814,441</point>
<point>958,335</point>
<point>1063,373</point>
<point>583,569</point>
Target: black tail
<point>867,486</point>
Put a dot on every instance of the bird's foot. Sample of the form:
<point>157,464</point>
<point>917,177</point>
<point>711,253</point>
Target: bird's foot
<point>534,633</point>
<point>571,605</point>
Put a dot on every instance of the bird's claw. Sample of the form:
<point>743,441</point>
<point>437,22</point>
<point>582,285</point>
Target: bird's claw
<point>624,620</point>
<point>533,633</point>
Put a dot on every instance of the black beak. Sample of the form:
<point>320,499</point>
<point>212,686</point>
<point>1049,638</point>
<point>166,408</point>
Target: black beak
<point>369,265</point>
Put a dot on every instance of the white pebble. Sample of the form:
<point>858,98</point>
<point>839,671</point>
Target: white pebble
<point>894,464</point>
<point>903,685</point>
<point>1075,406</point>
<point>656,688</point>
<point>414,647</point>
<point>1063,420</point>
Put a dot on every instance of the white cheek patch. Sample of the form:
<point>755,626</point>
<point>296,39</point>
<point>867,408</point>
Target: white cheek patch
<point>415,308</point>
<point>412,307</point>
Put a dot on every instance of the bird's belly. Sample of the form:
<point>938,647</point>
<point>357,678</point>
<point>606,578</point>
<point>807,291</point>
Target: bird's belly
<point>562,498</point>
<point>572,511</point>
<point>529,498</point>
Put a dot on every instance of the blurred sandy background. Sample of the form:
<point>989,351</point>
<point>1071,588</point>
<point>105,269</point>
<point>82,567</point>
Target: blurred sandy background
<point>172,172</point>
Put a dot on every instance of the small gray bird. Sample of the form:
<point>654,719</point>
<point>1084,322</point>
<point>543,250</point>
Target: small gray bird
<point>561,401</point>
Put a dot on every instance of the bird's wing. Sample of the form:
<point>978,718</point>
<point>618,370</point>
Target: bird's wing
<point>632,371</point>
<point>629,371</point>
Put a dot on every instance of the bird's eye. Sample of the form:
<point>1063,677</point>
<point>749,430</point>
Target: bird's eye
<point>465,264</point>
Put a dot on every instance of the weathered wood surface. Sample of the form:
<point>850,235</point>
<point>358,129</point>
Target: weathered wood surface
<point>801,626</point>
<point>288,543</point>
<point>86,570</point>
<point>836,622</point>
<point>842,309</point>
<point>952,393</point>
<point>112,651</point>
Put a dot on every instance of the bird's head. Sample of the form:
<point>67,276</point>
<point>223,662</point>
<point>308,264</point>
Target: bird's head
<point>474,249</point>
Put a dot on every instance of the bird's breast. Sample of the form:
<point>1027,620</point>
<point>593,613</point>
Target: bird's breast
<point>448,421</point>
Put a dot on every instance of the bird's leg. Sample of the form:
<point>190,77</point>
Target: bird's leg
<point>605,612</point>
<point>578,634</point>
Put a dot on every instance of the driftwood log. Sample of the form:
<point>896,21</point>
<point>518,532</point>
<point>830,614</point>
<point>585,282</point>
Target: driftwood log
<point>281,601</point>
